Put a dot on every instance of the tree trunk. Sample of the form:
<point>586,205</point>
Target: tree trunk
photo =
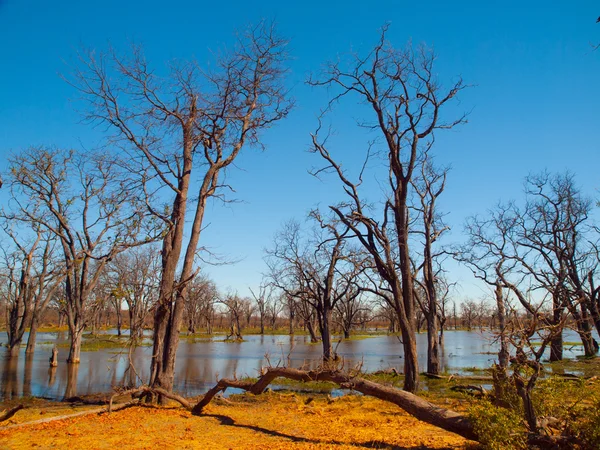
<point>503,354</point>
<point>14,347</point>
<point>75,346</point>
<point>433,349</point>
<point>556,347</point>
<point>325,323</point>
<point>291,321</point>
<point>119,320</point>
<point>311,331</point>
<point>32,336</point>
<point>411,362</point>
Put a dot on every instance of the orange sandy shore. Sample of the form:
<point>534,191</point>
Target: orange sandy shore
<point>271,421</point>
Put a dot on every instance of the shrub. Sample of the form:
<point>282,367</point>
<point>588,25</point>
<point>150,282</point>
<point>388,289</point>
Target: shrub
<point>498,428</point>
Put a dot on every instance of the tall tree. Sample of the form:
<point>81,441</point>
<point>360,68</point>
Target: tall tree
<point>190,125</point>
<point>405,102</point>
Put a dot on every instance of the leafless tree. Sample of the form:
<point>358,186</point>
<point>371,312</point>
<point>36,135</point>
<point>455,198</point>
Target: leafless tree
<point>84,203</point>
<point>264,301</point>
<point>317,269</point>
<point>201,303</point>
<point>351,310</point>
<point>405,103</point>
<point>235,307</point>
<point>428,186</point>
<point>135,275</point>
<point>190,125</point>
<point>540,255</point>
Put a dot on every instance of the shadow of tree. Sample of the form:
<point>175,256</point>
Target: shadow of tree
<point>228,421</point>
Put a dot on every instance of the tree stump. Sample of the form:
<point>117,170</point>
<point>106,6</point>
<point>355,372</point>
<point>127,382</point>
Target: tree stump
<point>54,357</point>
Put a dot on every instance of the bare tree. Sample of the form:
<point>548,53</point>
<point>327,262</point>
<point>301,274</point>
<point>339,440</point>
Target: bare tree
<point>351,310</point>
<point>81,200</point>
<point>200,303</point>
<point>188,126</point>
<point>18,283</point>
<point>236,308</point>
<point>405,103</point>
<point>263,300</point>
<point>318,270</point>
<point>135,277</point>
<point>540,255</point>
<point>428,186</point>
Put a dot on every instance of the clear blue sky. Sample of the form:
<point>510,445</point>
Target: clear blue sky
<point>535,104</point>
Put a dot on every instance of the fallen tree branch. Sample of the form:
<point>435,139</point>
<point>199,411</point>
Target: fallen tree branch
<point>11,412</point>
<point>469,388</point>
<point>143,390</point>
<point>64,417</point>
<point>412,404</point>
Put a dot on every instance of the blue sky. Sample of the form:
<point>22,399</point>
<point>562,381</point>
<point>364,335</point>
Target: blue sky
<point>534,104</point>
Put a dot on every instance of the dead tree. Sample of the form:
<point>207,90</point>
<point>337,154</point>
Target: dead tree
<point>17,277</point>
<point>412,404</point>
<point>540,246</point>
<point>134,277</point>
<point>350,310</point>
<point>191,125</point>
<point>200,304</point>
<point>405,104</point>
<point>317,270</point>
<point>428,186</point>
<point>83,201</point>
<point>263,299</point>
<point>235,307</point>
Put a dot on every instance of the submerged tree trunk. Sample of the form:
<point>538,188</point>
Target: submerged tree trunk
<point>433,346</point>
<point>32,336</point>
<point>311,330</point>
<point>75,346</point>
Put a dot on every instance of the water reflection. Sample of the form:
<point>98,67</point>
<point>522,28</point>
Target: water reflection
<point>199,363</point>
<point>27,371</point>
<point>10,385</point>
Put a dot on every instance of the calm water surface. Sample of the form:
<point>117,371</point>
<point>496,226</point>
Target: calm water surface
<point>199,363</point>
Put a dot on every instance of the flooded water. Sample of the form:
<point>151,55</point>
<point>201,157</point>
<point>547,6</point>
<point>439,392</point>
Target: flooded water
<point>200,363</point>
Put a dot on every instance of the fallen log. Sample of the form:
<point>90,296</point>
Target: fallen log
<point>11,412</point>
<point>421,409</point>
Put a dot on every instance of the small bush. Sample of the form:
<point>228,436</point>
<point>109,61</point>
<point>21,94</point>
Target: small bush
<point>498,428</point>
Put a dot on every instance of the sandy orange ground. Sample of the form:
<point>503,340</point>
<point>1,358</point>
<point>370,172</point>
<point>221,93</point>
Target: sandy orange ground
<point>271,421</point>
